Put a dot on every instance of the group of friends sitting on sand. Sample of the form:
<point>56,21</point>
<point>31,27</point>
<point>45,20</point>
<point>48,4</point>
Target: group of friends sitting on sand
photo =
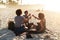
<point>21,23</point>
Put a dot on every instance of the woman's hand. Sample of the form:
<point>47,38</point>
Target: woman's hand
<point>29,15</point>
<point>33,15</point>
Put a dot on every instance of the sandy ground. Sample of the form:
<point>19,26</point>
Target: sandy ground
<point>52,18</point>
<point>6,34</point>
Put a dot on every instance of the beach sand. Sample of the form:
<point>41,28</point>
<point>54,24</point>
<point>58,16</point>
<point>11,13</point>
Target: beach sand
<point>52,18</point>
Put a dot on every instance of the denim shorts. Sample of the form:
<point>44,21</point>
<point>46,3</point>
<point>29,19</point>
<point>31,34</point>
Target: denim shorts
<point>19,30</point>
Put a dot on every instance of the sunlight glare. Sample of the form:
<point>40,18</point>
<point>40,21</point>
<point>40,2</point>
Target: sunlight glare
<point>53,5</point>
<point>2,6</point>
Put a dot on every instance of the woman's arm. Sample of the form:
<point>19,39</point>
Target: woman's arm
<point>29,16</point>
<point>35,17</point>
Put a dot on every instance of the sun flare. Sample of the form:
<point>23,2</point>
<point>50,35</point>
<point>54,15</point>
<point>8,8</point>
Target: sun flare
<point>52,5</point>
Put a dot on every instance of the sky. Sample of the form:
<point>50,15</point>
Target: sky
<point>53,5</point>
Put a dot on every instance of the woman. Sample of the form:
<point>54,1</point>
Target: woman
<point>41,24</point>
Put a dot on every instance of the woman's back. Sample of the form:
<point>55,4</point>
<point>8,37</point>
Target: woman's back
<point>41,26</point>
<point>19,20</point>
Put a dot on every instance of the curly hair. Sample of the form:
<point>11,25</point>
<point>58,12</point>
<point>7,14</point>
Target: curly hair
<point>18,12</point>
